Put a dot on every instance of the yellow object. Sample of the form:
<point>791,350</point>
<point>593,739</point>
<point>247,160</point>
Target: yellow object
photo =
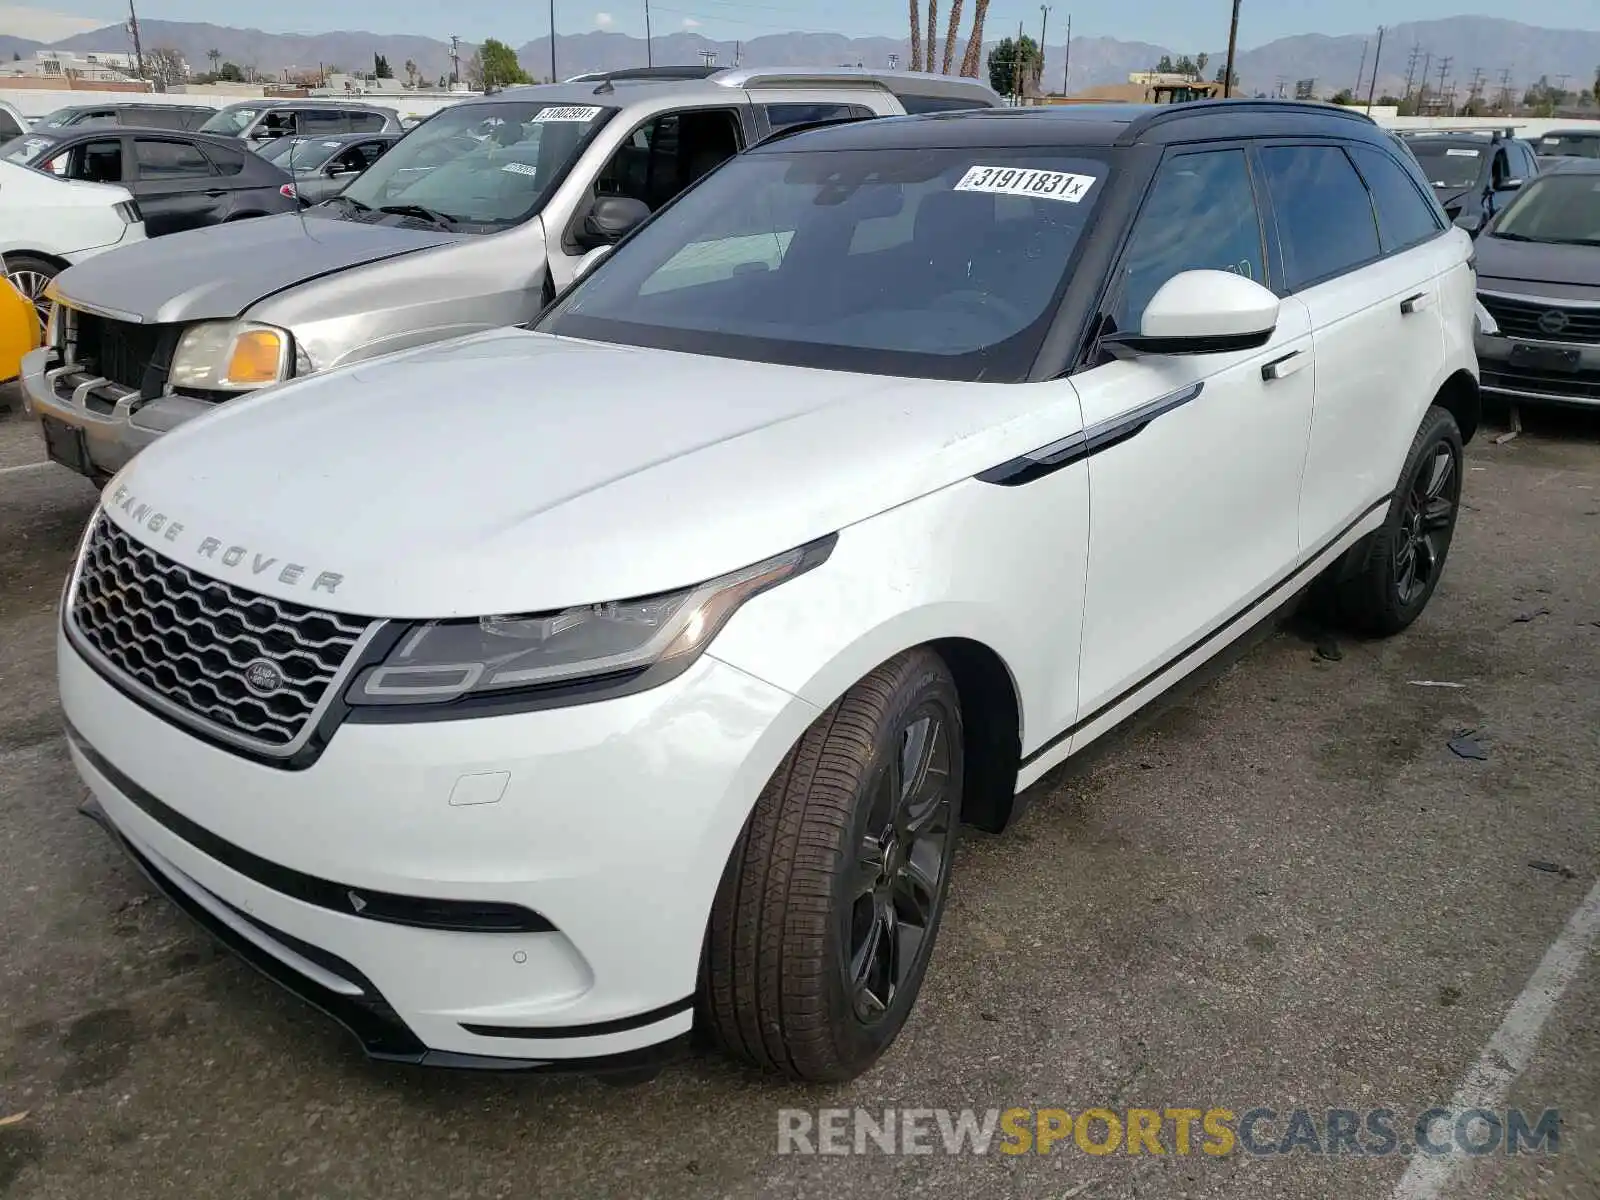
<point>19,330</point>
<point>257,357</point>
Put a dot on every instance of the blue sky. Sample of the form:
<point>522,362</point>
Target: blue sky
<point>1191,24</point>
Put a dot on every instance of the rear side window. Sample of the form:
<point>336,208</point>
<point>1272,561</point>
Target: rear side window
<point>914,103</point>
<point>781,116</point>
<point>366,122</point>
<point>319,122</point>
<point>226,162</point>
<point>1200,215</point>
<point>1325,217</point>
<point>1405,216</point>
<point>168,160</point>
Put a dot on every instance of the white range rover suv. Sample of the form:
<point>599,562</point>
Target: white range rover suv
<point>531,699</point>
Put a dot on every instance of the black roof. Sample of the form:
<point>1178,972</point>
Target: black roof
<point>91,133</point>
<point>1092,125</point>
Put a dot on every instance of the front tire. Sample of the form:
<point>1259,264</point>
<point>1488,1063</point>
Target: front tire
<point>825,919</point>
<point>30,276</point>
<point>1406,554</point>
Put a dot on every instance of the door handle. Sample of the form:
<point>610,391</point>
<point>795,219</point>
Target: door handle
<point>1282,368</point>
<point>1415,304</point>
<point>215,192</point>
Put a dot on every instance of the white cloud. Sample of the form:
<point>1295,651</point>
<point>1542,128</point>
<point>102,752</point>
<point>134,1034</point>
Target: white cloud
<point>604,20</point>
<point>690,23</point>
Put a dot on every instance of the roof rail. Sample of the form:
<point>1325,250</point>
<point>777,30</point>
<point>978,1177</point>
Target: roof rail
<point>1497,130</point>
<point>1163,114</point>
<point>684,71</point>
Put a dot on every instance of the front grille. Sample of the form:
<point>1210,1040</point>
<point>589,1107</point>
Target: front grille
<point>121,351</point>
<point>1585,385</point>
<point>1520,318</point>
<point>193,640</point>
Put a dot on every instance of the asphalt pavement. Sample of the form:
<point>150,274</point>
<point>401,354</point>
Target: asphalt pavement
<point>1282,890</point>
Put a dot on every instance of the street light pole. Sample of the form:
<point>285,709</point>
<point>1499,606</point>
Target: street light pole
<point>1376,58</point>
<point>553,76</point>
<point>1233,44</point>
<point>1044,23</point>
<point>648,60</point>
<point>138,50</point>
<point>1066,67</point>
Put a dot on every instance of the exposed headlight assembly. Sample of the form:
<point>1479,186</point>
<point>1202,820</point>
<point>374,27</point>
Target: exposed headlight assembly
<point>231,356</point>
<point>628,642</point>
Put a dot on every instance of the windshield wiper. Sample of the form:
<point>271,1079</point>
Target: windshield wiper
<point>351,201</point>
<point>442,220</point>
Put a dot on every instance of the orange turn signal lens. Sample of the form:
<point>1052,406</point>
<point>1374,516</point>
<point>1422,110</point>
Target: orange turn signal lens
<point>257,358</point>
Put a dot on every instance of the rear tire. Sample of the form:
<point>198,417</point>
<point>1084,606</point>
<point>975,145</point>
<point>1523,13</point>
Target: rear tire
<point>1405,556</point>
<point>30,275</point>
<point>825,919</point>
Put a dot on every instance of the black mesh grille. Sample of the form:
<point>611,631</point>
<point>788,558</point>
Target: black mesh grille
<point>119,350</point>
<point>244,663</point>
<point>1543,321</point>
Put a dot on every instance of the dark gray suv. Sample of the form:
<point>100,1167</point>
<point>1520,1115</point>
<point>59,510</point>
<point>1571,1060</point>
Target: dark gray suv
<point>259,122</point>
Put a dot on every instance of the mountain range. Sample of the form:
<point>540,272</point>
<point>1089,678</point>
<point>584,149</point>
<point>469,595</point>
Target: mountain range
<point>1470,44</point>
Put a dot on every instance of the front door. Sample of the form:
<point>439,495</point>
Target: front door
<point>1193,495</point>
<point>176,186</point>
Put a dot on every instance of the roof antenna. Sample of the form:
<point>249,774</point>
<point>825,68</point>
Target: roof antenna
<point>294,188</point>
<point>606,88</point>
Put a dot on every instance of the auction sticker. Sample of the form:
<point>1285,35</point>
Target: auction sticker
<point>1461,153</point>
<point>576,112</point>
<point>517,168</point>
<point>1025,181</point>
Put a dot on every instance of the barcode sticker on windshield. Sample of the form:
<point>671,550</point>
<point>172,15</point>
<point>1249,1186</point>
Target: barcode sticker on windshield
<point>569,113</point>
<point>1462,153</point>
<point>1025,181</point>
<point>520,169</point>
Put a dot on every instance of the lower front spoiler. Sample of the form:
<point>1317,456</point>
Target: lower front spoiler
<point>384,1037</point>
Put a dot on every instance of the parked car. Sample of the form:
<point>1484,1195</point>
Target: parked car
<point>47,224</point>
<point>143,116</point>
<point>471,221</point>
<point>259,122</point>
<point>1474,174</point>
<point>181,180</point>
<point>1560,144</point>
<point>19,330</point>
<point>786,505</point>
<point>12,122</point>
<point>1539,285</point>
<point>322,167</point>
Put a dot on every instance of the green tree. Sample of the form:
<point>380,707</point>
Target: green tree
<point>1200,61</point>
<point>499,65</point>
<point>1165,66</point>
<point>230,72</point>
<point>1003,64</point>
<point>1344,96</point>
<point>1185,66</point>
<point>1222,76</point>
<point>380,67</point>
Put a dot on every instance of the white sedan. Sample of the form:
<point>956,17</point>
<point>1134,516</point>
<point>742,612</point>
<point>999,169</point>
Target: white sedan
<point>48,224</point>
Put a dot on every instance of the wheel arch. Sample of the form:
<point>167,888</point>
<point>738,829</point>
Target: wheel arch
<point>991,721</point>
<point>1460,396</point>
<point>55,260</point>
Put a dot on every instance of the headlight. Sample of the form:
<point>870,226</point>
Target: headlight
<point>231,356</point>
<point>625,642</point>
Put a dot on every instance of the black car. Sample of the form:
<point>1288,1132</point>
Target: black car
<point>144,116</point>
<point>180,180</point>
<point>1560,144</point>
<point>1474,174</point>
<point>323,166</point>
<point>1539,290</point>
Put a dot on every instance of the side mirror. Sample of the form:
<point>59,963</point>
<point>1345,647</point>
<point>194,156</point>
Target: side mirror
<point>611,219</point>
<point>1510,185</point>
<point>1204,312</point>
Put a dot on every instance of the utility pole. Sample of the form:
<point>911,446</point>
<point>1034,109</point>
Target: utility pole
<point>455,60</point>
<point>1475,88</point>
<point>1377,57</point>
<point>133,30</point>
<point>1044,23</point>
<point>1411,66</point>
<point>648,60</point>
<point>1233,45</point>
<point>1361,71</point>
<point>553,75</point>
<point>738,51</point>
<point>1561,87</point>
<point>1066,68</point>
<point>1016,67</point>
<point>1444,70</point>
<point>1505,90</point>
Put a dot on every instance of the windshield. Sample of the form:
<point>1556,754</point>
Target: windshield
<point>230,122</point>
<point>277,148</point>
<point>28,148</point>
<point>484,165</point>
<point>1555,208</point>
<point>1448,166</point>
<point>1570,145</point>
<point>308,154</point>
<point>942,264</point>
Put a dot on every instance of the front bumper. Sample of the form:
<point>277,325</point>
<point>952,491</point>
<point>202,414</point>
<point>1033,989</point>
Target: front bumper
<point>112,421</point>
<point>613,826</point>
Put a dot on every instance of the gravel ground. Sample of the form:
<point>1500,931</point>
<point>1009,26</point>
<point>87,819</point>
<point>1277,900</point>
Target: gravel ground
<point>1281,890</point>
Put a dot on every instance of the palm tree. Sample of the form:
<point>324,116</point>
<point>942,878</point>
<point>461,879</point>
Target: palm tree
<point>215,56</point>
<point>933,32</point>
<point>916,36</point>
<point>969,61</point>
<point>950,36</point>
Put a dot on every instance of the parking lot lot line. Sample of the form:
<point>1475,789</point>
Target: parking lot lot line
<point>1507,1054</point>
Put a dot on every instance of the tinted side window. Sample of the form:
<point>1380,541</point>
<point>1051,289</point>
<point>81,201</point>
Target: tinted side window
<point>320,122</point>
<point>224,161</point>
<point>781,116</point>
<point>1200,214</point>
<point>365,122</point>
<point>8,127</point>
<point>158,118</point>
<point>1405,216</point>
<point>1325,218</point>
<point>168,160</point>
<point>914,103</point>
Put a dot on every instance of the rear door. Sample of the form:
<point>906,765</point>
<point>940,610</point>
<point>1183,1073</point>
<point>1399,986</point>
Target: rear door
<point>1373,301</point>
<point>176,186</point>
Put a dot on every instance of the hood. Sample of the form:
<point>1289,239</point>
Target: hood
<point>516,472</point>
<point>220,271</point>
<point>1537,262</point>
